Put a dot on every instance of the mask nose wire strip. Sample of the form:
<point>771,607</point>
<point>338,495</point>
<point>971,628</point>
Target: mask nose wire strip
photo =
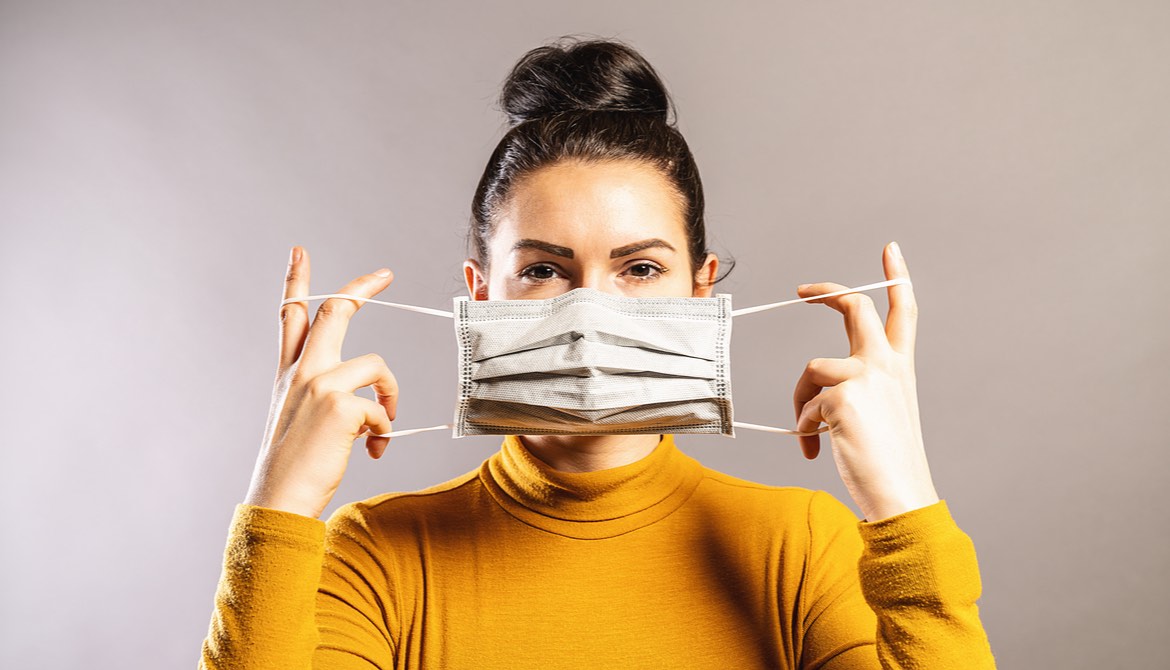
<point>734,313</point>
<point>867,287</point>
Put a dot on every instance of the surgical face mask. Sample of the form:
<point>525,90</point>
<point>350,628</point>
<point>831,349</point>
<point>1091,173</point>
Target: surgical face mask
<point>590,363</point>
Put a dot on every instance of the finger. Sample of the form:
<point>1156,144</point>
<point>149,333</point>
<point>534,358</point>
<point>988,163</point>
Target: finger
<point>376,446</point>
<point>818,374</point>
<point>326,335</point>
<point>902,321</point>
<point>365,370</point>
<point>378,422</point>
<point>822,372</point>
<point>863,326</point>
<point>808,419</point>
<point>294,316</point>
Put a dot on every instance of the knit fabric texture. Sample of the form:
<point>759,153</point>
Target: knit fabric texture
<point>662,563</point>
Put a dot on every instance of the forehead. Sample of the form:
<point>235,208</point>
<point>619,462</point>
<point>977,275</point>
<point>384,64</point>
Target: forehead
<point>602,202</point>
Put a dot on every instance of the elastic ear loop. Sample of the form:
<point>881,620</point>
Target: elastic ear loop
<point>734,313</point>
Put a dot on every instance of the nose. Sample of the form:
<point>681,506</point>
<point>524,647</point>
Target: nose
<point>597,280</point>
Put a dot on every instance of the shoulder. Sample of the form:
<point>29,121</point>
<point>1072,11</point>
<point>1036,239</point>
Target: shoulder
<point>813,508</point>
<point>794,523</point>
<point>432,495</point>
<point>405,511</point>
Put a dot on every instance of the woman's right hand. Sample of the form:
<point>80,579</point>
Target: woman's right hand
<point>315,415</point>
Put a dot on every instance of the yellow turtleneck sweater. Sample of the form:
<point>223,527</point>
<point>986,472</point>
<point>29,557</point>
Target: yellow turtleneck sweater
<point>661,563</point>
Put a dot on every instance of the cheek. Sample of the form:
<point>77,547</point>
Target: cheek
<point>503,286</point>
<point>496,274</point>
<point>683,283</point>
<point>497,287</point>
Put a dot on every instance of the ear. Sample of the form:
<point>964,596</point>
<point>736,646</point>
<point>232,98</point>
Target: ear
<point>476,279</point>
<point>705,278</point>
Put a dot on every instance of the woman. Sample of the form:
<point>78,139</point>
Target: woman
<point>595,550</point>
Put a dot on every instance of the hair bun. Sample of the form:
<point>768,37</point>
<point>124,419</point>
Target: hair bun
<point>572,74</point>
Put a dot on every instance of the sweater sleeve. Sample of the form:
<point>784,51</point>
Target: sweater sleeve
<point>281,603</point>
<point>896,594</point>
<point>919,574</point>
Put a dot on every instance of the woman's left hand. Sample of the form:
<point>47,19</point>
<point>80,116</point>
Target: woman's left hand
<point>870,399</point>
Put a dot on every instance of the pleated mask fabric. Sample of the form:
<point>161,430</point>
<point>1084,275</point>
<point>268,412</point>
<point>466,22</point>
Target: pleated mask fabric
<point>588,362</point>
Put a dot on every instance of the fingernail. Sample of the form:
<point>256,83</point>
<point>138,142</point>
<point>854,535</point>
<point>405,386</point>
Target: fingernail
<point>384,272</point>
<point>294,255</point>
<point>802,287</point>
<point>896,249</point>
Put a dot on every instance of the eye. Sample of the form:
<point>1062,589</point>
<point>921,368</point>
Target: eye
<point>541,272</point>
<point>646,271</point>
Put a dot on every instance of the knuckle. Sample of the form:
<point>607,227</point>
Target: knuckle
<point>289,310</point>
<point>375,359</point>
<point>860,300</point>
<point>330,309</point>
<point>335,401</point>
<point>315,388</point>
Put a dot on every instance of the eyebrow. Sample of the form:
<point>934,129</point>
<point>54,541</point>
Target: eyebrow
<point>566,252</point>
<point>639,246</point>
<point>553,249</point>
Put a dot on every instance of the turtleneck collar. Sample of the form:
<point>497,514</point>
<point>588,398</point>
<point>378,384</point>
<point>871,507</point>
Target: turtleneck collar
<point>590,505</point>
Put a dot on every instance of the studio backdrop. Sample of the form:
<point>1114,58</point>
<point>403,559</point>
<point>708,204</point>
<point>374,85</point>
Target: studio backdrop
<point>159,160</point>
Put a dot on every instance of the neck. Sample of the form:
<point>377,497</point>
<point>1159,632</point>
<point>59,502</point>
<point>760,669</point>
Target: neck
<point>588,453</point>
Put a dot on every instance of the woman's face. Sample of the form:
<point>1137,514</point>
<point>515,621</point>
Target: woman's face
<point>616,227</point>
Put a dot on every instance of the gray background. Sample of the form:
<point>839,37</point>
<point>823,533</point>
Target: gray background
<point>158,160</point>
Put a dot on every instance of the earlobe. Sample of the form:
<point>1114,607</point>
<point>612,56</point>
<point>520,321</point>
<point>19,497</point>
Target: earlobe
<point>476,279</point>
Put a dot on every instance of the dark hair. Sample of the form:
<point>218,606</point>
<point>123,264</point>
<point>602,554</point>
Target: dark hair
<point>589,100</point>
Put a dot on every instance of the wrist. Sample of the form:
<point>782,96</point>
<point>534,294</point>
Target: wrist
<point>283,503</point>
<point>894,506</point>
